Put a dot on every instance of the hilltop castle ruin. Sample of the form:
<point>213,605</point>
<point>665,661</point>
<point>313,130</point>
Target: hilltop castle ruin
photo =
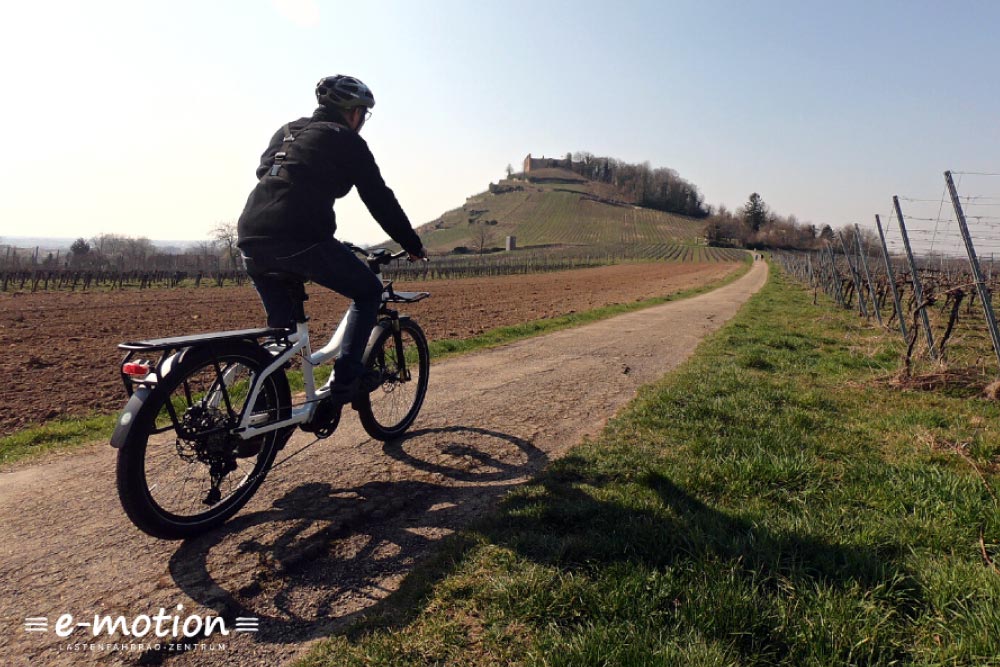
<point>547,163</point>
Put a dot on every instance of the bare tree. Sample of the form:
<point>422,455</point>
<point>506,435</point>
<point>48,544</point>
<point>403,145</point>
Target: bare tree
<point>482,238</point>
<point>107,247</point>
<point>137,251</point>
<point>226,234</point>
<point>207,254</point>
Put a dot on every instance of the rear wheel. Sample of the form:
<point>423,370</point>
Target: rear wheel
<point>183,471</point>
<point>401,372</point>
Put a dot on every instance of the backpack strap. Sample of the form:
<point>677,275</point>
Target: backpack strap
<point>280,156</point>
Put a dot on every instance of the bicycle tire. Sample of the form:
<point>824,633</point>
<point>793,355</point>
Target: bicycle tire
<point>391,408</point>
<point>170,508</point>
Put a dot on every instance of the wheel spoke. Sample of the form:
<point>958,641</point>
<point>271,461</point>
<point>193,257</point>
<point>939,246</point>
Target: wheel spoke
<point>391,408</point>
<point>165,480</point>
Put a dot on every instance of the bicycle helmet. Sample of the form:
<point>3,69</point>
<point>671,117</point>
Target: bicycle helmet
<point>344,92</point>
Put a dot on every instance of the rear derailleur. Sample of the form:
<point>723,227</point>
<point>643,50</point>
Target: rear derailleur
<point>204,436</point>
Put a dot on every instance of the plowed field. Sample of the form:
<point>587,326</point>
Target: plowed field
<point>59,357</point>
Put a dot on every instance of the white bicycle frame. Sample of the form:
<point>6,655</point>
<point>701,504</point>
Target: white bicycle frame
<point>253,424</point>
<point>248,427</point>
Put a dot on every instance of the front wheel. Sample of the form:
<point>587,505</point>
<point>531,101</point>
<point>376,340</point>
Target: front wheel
<point>182,470</point>
<point>402,368</point>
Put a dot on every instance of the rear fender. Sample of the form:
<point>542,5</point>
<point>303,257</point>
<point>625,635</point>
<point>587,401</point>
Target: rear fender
<point>130,416</point>
<point>133,412</point>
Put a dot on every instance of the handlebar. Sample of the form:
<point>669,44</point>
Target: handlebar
<point>378,256</point>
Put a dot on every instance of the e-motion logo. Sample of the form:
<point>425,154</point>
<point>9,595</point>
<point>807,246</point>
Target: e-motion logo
<point>160,625</point>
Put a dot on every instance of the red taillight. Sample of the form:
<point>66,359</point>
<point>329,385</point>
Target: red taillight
<point>135,370</point>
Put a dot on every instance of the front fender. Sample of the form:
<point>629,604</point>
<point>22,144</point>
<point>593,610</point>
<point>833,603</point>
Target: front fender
<point>129,417</point>
<point>382,325</point>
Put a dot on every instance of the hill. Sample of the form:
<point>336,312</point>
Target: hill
<point>554,207</point>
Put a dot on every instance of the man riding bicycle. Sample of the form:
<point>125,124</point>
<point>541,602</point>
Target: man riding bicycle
<point>288,222</point>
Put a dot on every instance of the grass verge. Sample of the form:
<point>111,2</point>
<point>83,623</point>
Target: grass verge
<point>71,432</point>
<point>772,502</point>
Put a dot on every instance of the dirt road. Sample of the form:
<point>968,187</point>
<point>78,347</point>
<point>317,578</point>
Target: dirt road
<point>336,529</point>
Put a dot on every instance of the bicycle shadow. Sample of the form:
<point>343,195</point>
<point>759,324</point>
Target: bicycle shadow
<point>320,555</point>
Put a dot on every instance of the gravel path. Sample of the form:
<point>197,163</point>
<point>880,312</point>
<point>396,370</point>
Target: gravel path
<point>335,531</point>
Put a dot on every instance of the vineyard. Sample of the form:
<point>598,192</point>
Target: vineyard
<point>444,267</point>
<point>43,279</point>
<point>929,277</point>
<point>558,259</point>
<point>944,324</point>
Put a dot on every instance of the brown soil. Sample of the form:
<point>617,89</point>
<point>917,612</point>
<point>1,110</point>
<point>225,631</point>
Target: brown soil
<point>333,532</point>
<point>59,357</point>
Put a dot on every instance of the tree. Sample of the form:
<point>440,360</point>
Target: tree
<point>80,251</point>
<point>137,251</point>
<point>510,170</point>
<point>725,229</point>
<point>108,246</point>
<point>226,234</point>
<point>482,238</point>
<point>207,254</point>
<point>755,213</point>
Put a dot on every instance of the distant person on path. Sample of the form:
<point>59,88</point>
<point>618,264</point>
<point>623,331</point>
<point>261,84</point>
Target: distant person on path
<point>288,222</point>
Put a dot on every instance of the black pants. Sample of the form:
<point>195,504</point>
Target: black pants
<point>327,263</point>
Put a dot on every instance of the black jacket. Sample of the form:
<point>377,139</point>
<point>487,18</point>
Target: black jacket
<point>294,202</point>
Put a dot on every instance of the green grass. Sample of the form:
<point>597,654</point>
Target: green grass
<point>59,434</point>
<point>772,502</point>
<point>62,434</point>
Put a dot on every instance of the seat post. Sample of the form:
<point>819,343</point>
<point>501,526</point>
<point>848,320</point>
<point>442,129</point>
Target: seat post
<point>296,288</point>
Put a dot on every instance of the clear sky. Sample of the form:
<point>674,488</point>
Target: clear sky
<point>147,118</point>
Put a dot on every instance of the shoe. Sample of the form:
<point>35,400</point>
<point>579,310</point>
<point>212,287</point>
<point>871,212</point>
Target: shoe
<point>370,381</point>
<point>342,393</point>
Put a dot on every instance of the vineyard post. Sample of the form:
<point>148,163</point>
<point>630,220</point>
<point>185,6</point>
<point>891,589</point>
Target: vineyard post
<point>838,288</point>
<point>981,287</point>
<point>892,280</point>
<point>826,281</point>
<point>918,292</point>
<point>858,287</point>
<point>868,275</point>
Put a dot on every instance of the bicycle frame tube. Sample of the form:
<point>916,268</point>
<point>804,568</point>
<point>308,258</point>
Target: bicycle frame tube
<point>300,345</point>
